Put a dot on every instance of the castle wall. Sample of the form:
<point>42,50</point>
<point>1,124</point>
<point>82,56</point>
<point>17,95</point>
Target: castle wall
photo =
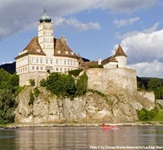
<point>102,79</point>
<point>37,76</point>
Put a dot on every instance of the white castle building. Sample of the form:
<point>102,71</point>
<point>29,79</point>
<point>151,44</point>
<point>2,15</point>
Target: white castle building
<point>46,54</point>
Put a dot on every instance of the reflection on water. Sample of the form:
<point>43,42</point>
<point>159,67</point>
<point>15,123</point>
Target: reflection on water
<point>78,138</point>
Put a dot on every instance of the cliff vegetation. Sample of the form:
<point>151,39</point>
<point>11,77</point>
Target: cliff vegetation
<point>66,98</point>
<point>9,89</point>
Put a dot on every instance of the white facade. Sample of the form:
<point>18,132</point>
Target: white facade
<point>118,60</point>
<point>39,56</point>
<point>122,61</point>
<point>111,65</point>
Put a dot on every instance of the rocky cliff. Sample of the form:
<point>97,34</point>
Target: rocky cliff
<point>116,105</point>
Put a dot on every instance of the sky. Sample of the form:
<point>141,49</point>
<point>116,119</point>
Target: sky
<point>93,29</point>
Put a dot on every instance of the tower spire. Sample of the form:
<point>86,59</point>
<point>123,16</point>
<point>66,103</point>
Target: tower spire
<point>45,17</point>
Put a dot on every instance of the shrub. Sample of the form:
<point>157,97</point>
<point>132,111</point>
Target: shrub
<point>43,83</point>
<point>76,72</point>
<point>61,85</point>
<point>81,85</point>
<point>32,98</point>
<point>147,115</point>
<point>32,82</point>
<point>95,66</point>
<point>36,92</point>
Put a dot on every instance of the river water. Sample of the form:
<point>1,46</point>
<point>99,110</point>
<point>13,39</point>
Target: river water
<point>81,138</point>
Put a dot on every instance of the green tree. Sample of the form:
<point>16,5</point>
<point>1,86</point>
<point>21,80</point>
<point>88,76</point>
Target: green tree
<point>7,106</point>
<point>61,84</point>
<point>81,85</point>
<point>43,83</point>
<point>9,85</point>
<point>155,85</point>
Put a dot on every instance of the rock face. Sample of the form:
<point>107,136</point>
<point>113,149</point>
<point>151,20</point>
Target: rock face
<point>112,106</point>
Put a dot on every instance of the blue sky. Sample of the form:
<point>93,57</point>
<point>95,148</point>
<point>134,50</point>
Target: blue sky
<point>93,29</point>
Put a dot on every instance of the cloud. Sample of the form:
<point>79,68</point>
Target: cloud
<point>128,6</point>
<point>152,69</point>
<point>73,22</point>
<point>147,46</point>
<point>125,22</point>
<point>152,29</point>
<point>145,52</point>
<point>133,33</point>
<point>17,16</point>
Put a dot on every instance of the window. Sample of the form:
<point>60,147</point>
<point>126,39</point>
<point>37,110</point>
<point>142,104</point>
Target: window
<point>33,68</point>
<point>37,60</point>
<point>57,69</point>
<point>41,68</point>
<point>64,62</point>
<point>60,69</point>
<point>37,68</point>
<point>56,61</point>
<point>32,60</point>
<point>51,61</point>
<point>41,60</point>
<point>46,61</point>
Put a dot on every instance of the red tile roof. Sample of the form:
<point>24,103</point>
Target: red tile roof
<point>32,48</point>
<point>60,49</point>
<point>120,52</point>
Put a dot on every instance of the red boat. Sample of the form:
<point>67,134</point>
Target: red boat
<point>105,127</point>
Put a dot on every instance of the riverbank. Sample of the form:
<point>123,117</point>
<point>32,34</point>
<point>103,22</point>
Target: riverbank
<point>21,125</point>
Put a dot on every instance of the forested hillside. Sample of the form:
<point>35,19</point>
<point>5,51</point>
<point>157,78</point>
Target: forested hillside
<point>151,84</point>
<point>8,91</point>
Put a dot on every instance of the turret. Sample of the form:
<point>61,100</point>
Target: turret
<point>121,57</point>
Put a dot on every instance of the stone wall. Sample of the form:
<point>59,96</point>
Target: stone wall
<point>103,79</point>
<point>37,76</point>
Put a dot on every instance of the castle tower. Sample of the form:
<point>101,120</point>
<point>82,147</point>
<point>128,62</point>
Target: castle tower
<point>45,35</point>
<point>121,57</point>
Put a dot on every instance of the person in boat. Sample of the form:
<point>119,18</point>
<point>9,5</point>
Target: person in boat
<point>105,127</point>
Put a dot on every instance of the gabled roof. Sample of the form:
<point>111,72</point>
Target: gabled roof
<point>120,52</point>
<point>109,59</point>
<point>32,48</point>
<point>62,49</point>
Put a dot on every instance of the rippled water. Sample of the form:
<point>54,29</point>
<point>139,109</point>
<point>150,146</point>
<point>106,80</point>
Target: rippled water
<point>80,138</point>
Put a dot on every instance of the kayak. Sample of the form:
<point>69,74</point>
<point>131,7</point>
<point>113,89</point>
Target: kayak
<point>105,127</point>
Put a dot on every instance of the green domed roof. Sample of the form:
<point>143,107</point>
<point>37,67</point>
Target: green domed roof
<point>45,18</point>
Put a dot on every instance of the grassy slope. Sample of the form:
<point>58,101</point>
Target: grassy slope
<point>159,116</point>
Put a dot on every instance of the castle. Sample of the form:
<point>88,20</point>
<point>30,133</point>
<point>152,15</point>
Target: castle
<point>45,54</point>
